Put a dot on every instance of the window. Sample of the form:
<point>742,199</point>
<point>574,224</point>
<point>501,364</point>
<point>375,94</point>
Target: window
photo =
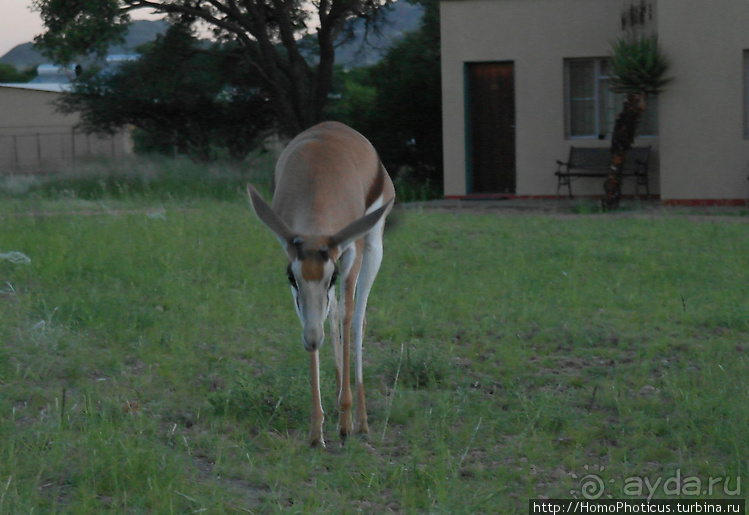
<point>592,107</point>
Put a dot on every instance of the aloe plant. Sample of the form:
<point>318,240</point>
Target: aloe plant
<point>639,69</point>
<point>638,65</point>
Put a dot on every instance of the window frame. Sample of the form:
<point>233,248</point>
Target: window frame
<point>604,117</point>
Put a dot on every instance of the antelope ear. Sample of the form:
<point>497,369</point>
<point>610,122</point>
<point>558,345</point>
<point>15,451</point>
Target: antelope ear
<point>359,228</point>
<point>269,217</point>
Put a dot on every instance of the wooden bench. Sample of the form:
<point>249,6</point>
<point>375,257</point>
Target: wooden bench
<point>596,162</point>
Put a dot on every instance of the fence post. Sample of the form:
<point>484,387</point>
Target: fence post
<point>38,149</point>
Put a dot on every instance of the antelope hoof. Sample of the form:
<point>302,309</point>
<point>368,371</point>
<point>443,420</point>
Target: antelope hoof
<point>346,425</point>
<point>362,428</point>
<point>316,441</point>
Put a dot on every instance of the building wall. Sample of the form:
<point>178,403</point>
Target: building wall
<point>28,111</point>
<point>537,35</point>
<point>704,151</point>
<point>701,151</point>
<point>35,138</point>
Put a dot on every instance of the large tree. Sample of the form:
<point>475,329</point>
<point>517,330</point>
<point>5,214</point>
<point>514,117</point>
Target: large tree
<point>268,31</point>
<point>185,95</point>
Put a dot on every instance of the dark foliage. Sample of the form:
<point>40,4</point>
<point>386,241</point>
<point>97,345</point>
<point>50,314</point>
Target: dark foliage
<point>267,36</point>
<point>397,103</point>
<point>187,99</point>
<point>9,73</point>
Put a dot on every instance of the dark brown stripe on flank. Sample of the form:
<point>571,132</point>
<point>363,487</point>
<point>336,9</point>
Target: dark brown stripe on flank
<point>375,190</point>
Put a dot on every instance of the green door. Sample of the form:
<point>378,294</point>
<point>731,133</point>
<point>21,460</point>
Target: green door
<point>490,113</point>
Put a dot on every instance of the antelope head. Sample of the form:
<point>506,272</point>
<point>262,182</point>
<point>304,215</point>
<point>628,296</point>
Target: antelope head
<point>312,270</point>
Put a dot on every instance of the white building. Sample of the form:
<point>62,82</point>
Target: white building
<point>524,80</point>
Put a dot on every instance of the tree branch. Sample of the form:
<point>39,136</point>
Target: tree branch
<point>196,12</point>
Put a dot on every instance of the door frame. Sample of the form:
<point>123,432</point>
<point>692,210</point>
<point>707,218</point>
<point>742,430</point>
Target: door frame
<point>469,157</point>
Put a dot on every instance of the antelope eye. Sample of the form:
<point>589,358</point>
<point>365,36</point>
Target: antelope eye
<point>292,279</point>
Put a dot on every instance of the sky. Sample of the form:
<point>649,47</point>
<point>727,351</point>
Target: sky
<point>18,24</point>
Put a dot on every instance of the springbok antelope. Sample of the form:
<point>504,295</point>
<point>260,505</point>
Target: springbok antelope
<point>332,195</point>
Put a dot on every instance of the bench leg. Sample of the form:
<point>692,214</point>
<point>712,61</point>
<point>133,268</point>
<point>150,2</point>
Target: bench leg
<point>564,181</point>
<point>642,181</point>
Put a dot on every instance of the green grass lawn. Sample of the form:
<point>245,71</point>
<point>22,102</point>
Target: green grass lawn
<point>151,362</point>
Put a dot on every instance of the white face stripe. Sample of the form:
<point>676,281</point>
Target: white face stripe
<point>312,302</point>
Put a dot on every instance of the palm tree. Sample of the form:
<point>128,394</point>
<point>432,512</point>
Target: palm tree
<point>638,70</point>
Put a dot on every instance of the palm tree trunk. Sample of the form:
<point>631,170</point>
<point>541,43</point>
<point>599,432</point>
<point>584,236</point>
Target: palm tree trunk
<point>625,130</point>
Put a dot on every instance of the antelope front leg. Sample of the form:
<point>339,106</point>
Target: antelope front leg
<point>317,417</point>
<point>334,317</point>
<point>345,399</point>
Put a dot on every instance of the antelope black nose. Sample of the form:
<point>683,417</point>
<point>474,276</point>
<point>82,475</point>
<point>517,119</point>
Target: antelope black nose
<point>312,338</point>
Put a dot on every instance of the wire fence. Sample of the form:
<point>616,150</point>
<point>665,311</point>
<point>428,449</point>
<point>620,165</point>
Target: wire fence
<point>48,152</point>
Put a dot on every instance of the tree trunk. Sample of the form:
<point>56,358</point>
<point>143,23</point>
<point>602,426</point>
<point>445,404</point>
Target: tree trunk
<point>625,130</point>
<point>268,30</point>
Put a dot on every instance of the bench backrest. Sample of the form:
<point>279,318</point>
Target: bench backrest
<point>600,158</point>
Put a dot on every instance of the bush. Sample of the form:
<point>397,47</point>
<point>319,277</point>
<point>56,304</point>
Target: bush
<point>152,177</point>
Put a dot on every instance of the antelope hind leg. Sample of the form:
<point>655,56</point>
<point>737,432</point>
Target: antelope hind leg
<point>371,261</point>
<point>348,286</point>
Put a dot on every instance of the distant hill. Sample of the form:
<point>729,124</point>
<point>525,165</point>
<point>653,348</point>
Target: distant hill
<point>403,17</point>
<point>142,31</point>
<point>23,57</point>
